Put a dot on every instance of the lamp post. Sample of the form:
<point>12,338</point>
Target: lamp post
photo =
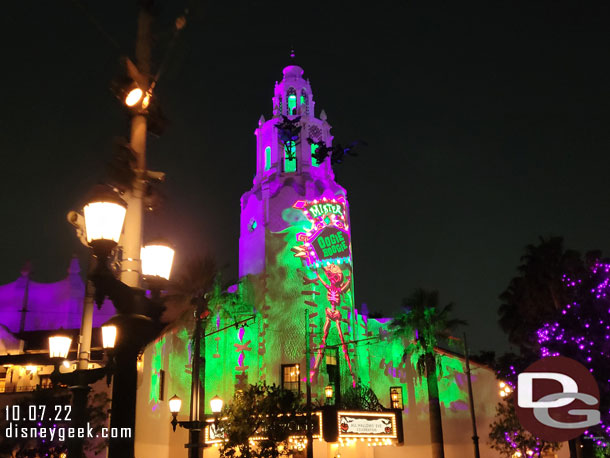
<point>134,325</point>
<point>475,436</point>
<point>104,214</point>
<point>194,427</point>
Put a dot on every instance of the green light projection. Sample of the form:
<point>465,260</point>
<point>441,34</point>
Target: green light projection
<point>280,295</point>
<point>292,103</point>
<point>314,161</point>
<point>267,158</point>
<point>156,365</point>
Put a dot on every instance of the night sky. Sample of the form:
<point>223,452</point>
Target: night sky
<point>487,126</point>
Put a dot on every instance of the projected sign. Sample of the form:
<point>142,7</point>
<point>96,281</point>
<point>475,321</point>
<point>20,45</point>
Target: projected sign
<point>331,242</point>
<point>328,240</point>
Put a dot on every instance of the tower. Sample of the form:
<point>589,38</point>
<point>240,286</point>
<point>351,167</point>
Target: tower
<point>295,239</point>
<point>286,171</point>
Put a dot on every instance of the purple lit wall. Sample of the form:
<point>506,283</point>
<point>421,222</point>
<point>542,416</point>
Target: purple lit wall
<point>47,305</point>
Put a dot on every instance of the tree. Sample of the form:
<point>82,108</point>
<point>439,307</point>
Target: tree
<point>261,410</point>
<point>537,292</point>
<point>581,330</point>
<point>360,397</point>
<point>508,437</point>
<point>424,324</point>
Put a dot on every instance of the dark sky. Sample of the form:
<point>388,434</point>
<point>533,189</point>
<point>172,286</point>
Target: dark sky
<point>487,127</point>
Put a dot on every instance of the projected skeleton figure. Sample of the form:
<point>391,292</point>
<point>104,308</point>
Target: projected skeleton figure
<point>336,286</point>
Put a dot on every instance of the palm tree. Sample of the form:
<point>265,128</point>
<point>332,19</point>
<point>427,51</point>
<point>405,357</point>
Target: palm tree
<point>423,324</point>
<point>538,291</point>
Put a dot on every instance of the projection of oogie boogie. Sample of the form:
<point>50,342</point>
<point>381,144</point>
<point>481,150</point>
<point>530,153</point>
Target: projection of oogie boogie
<point>577,384</point>
<point>336,287</point>
<point>327,245</point>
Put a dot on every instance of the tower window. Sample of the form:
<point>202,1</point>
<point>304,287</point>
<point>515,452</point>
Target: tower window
<point>290,377</point>
<point>290,156</point>
<point>267,158</point>
<point>304,106</point>
<point>314,161</point>
<point>292,101</point>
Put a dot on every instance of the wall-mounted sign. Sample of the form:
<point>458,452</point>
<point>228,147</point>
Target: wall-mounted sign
<point>215,434</point>
<point>367,424</point>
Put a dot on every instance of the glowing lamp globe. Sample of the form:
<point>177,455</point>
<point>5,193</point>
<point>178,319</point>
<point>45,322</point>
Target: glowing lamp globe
<point>104,217</point>
<point>109,332</point>
<point>174,405</point>
<point>157,259</point>
<point>216,404</point>
<point>134,96</point>
<point>59,346</point>
<point>328,391</point>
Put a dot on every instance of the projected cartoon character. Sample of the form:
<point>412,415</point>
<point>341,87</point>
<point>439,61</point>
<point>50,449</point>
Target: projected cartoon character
<point>336,286</point>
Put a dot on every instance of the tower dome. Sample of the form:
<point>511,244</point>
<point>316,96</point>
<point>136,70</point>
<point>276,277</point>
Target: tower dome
<point>292,95</point>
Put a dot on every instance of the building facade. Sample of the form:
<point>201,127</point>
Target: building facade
<point>296,316</point>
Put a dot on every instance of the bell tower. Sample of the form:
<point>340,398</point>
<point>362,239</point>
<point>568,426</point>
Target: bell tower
<point>295,245</point>
<point>286,168</point>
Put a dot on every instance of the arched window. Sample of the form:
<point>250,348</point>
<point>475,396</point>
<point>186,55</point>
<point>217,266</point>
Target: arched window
<point>304,104</point>
<point>290,156</point>
<point>292,101</point>
<point>314,161</point>
<point>267,158</point>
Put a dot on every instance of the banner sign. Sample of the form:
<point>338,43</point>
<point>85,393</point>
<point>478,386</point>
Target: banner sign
<point>369,424</point>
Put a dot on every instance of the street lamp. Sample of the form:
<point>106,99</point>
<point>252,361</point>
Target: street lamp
<point>134,96</point>
<point>104,217</point>
<point>109,332</point>
<point>329,392</point>
<point>157,259</point>
<point>59,346</point>
<point>216,405</point>
<point>174,407</point>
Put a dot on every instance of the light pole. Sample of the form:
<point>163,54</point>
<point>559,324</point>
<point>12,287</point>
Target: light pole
<point>194,427</point>
<point>475,437</point>
<point>135,324</point>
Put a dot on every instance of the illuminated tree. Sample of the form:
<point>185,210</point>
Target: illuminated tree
<point>424,324</point>
<point>259,420</point>
<point>581,330</point>
<point>509,438</point>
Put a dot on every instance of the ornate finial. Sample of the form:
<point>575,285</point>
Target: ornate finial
<point>292,54</point>
<point>26,270</point>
